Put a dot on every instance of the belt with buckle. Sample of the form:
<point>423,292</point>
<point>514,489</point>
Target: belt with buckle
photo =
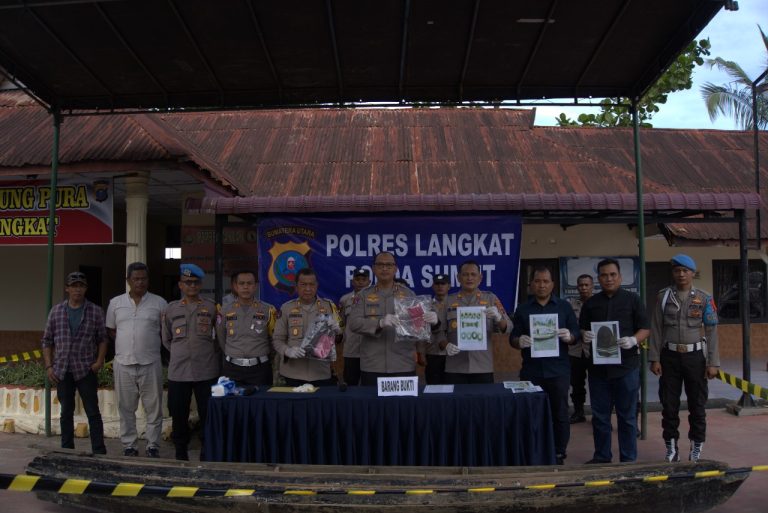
<point>684,348</point>
<point>247,362</point>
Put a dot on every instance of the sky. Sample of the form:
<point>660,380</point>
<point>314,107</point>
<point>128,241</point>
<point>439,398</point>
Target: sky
<point>734,36</point>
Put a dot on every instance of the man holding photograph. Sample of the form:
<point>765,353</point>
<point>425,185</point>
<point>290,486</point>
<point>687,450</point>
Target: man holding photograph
<point>464,367</point>
<point>553,373</point>
<point>614,384</point>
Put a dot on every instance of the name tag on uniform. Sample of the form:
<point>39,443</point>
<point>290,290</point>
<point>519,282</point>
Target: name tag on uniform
<point>408,385</point>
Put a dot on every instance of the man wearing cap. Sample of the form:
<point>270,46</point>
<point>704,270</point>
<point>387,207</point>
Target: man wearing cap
<point>615,385</point>
<point>373,317</point>
<point>244,330</point>
<point>361,279</point>
<point>463,367</point>
<point>133,322</point>
<point>683,352</point>
<point>74,347</point>
<point>188,335</point>
<point>434,374</point>
<point>296,318</point>
<point>579,359</point>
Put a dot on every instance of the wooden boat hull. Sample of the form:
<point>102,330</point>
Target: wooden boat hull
<point>675,494</point>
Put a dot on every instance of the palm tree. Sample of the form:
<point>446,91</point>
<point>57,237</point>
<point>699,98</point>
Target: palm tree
<point>734,99</point>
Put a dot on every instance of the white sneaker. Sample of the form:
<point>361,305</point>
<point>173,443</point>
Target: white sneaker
<point>696,448</point>
<point>673,453</point>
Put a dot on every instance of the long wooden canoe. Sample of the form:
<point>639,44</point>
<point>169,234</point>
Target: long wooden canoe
<point>626,488</point>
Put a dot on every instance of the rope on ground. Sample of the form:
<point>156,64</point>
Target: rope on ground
<point>744,386</point>
<point>25,356</point>
<point>27,483</point>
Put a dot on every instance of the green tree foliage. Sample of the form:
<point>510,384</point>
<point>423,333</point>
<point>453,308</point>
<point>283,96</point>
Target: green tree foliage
<point>678,77</point>
<point>734,99</point>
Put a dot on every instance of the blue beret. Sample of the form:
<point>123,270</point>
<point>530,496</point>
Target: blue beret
<point>192,270</point>
<point>685,261</point>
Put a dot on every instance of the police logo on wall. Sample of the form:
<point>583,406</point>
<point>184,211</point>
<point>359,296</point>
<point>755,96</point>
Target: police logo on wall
<point>288,258</point>
<point>101,190</point>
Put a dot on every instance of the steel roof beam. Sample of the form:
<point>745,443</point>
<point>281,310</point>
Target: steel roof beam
<point>72,54</point>
<point>336,59</point>
<point>130,49</point>
<point>197,48</point>
<point>265,48</point>
<point>536,46</point>
<point>468,51</point>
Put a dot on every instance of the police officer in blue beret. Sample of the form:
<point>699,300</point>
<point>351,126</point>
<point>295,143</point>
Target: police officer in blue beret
<point>188,334</point>
<point>683,352</point>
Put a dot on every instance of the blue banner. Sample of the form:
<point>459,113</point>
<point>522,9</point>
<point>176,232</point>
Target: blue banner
<point>423,245</point>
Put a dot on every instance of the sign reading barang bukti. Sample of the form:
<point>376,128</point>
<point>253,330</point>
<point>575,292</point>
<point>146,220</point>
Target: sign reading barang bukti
<point>83,212</point>
<point>423,245</point>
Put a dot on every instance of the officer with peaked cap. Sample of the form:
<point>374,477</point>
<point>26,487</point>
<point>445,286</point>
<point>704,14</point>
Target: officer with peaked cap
<point>188,335</point>
<point>683,352</point>
<point>361,279</point>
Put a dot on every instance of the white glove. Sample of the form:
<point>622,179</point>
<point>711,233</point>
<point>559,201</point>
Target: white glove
<point>388,321</point>
<point>524,341</point>
<point>586,342</point>
<point>334,325</point>
<point>294,352</point>
<point>493,313</point>
<point>627,342</point>
<point>565,335</point>
<point>452,350</point>
<point>430,317</point>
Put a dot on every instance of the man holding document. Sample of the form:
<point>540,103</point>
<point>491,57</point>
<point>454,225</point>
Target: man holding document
<point>544,327</point>
<point>470,317</point>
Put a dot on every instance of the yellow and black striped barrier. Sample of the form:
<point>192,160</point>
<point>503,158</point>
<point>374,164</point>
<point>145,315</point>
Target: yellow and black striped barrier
<point>22,357</point>
<point>26,483</point>
<point>744,386</point>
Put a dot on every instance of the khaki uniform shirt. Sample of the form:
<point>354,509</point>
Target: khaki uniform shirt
<point>245,331</point>
<point>189,336</point>
<point>471,362</point>
<point>352,340</point>
<point>380,352</point>
<point>434,344</point>
<point>684,321</point>
<point>292,324</point>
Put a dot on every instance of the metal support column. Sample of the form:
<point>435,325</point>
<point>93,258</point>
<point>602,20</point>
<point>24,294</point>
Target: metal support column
<point>641,255</point>
<point>51,246</point>
<point>746,400</point>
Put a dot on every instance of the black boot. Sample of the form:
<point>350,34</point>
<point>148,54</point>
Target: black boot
<point>578,414</point>
<point>181,453</point>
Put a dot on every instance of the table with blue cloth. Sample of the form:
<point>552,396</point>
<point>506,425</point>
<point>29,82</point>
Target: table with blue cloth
<point>477,425</point>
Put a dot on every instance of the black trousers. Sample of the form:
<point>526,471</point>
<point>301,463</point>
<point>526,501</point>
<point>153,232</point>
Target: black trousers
<point>179,398</point>
<point>680,370</point>
<point>434,373</point>
<point>368,379</point>
<point>260,374</point>
<point>557,391</point>
<point>351,371</point>
<point>87,387</point>
<point>457,378</point>
<point>579,366</point>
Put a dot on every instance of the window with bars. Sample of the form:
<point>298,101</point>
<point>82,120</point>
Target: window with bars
<point>726,291</point>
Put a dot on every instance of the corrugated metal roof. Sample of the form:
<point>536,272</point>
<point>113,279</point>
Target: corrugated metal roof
<point>555,203</point>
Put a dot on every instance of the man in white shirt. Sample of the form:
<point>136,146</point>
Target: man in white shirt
<point>133,321</point>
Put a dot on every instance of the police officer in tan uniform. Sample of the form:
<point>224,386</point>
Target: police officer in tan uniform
<point>463,367</point>
<point>683,352</point>
<point>296,317</point>
<point>188,335</point>
<point>361,279</point>
<point>373,316</point>
<point>244,330</point>
<point>434,373</point>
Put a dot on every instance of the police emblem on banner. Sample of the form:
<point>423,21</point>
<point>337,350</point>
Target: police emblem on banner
<point>101,190</point>
<point>287,259</point>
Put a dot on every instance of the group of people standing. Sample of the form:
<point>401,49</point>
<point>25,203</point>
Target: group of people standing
<point>241,339</point>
